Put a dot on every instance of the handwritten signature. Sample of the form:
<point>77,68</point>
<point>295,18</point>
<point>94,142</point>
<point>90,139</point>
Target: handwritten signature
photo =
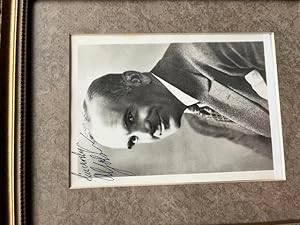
<point>94,163</point>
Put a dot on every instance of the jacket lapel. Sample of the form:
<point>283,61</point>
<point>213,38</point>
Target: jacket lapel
<point>193,85</point>
<point>222,99</point>
<point>239,109</point>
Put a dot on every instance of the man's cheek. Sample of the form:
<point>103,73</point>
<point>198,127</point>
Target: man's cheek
<point>173,127</point>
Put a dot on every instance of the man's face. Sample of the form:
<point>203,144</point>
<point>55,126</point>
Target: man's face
<point>147,113</point>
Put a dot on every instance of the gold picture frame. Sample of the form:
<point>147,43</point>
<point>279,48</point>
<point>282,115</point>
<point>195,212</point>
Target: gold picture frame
<point>13,67</point>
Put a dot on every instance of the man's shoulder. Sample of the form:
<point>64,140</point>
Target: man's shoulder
<point>203,127</point>
<point>257,143</point>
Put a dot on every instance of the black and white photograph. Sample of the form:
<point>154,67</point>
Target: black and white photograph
<point>161,109</point>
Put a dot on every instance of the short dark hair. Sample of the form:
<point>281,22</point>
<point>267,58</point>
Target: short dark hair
<point>111,86</point>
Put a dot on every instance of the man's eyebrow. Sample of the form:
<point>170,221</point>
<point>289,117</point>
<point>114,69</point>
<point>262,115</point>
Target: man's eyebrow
<point>124,122</point>
<point>126,127</point>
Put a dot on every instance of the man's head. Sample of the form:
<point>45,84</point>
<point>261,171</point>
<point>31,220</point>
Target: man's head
<point>124,109</point>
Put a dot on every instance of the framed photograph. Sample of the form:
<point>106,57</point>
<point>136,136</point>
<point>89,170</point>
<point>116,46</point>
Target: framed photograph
<point>149,112</point>
<point>150,109</point>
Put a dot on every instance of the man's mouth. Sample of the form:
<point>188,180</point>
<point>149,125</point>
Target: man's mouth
<point>157,128</point>
<point>161,126</point>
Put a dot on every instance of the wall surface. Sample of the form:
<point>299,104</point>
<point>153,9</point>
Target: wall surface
<point>53,203</point>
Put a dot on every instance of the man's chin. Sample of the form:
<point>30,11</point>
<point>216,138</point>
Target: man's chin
<point>159,138</point>
<point>172,128</point>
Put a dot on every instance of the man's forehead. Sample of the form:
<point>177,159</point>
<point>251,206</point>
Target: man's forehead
<point>109,112</point>
<point>115,104</point>
<point>107,124</point>
<point>114,137</point>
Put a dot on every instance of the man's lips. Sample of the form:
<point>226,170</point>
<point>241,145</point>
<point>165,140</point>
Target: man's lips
<point>160,126</point>
<point>155,123</point>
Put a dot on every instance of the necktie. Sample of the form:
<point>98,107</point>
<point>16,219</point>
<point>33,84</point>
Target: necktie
<point>208,113</point>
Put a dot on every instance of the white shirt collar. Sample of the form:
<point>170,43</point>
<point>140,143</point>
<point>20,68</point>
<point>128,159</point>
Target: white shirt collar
<point>180,95</point>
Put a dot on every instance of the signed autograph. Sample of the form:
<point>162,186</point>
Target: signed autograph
<point>94,163</point>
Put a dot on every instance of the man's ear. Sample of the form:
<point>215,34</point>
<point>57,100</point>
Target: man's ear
<point>134,78</point>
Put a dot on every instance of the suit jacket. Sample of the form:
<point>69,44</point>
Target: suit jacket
<point>214,73</point>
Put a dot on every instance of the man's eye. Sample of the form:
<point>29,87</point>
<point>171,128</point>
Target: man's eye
<point>132,141</point>
<point>130,118</point>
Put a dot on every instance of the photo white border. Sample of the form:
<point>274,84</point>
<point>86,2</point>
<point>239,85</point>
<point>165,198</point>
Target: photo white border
<point>278,172</point>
